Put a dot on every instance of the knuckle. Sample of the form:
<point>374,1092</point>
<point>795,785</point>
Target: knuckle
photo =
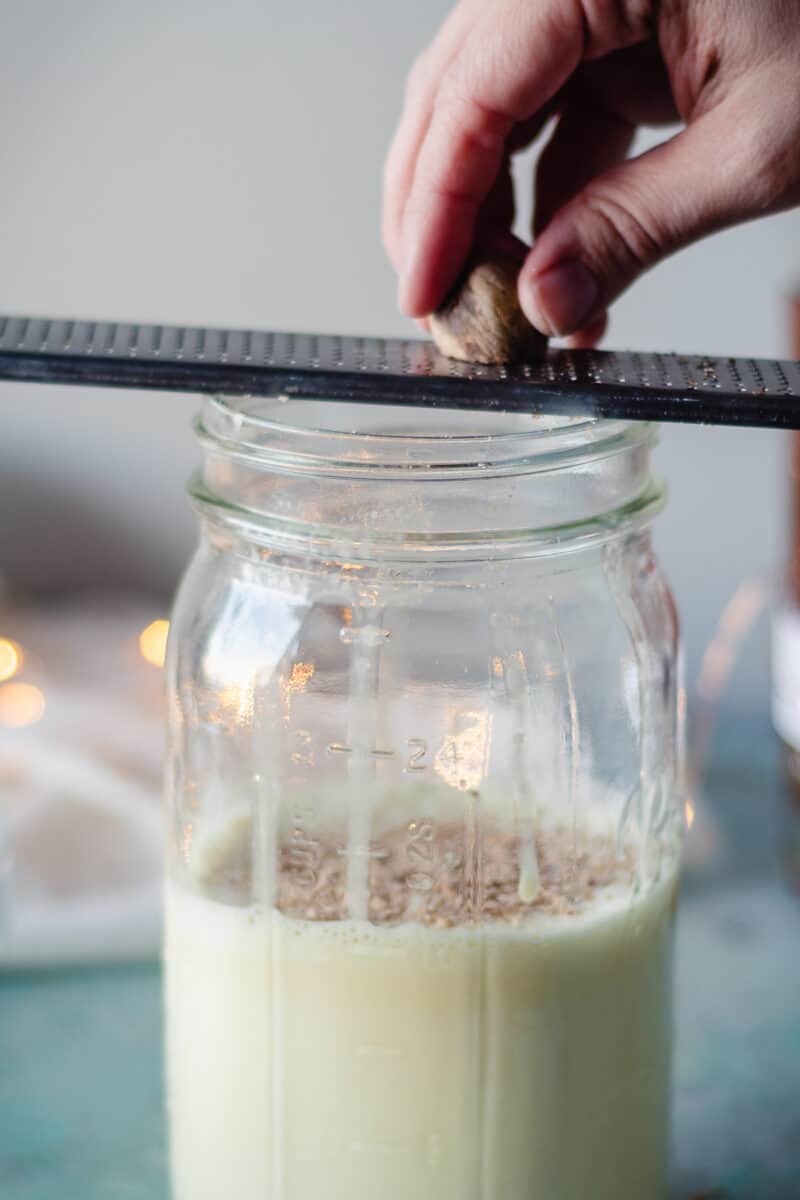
<point>625,232</point>
<point>771,167</point>
<point>614,23</point>
<point>476,120</point>
<point>766,187</point>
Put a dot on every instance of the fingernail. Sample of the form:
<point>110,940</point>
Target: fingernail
<point>558,301</point>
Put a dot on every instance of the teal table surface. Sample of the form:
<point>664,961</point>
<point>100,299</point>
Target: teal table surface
<point>81,1096</point>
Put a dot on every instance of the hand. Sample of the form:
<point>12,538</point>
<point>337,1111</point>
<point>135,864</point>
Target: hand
<point>498,69</point>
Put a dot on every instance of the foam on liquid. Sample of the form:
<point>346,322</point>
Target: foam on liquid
<point>341,1060</point>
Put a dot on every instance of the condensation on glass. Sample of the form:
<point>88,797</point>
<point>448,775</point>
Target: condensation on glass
<point>423,810</point>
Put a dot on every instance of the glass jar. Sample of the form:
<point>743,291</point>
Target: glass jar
<point>424,821</point>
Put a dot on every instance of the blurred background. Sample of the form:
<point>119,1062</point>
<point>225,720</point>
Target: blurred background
<point>169,161</point>
<point>177,162</point>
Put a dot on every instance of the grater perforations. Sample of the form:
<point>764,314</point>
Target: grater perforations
<point>592,383</point>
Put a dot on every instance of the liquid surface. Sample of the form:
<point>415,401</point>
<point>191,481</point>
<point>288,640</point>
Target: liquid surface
<point>344,1059</point>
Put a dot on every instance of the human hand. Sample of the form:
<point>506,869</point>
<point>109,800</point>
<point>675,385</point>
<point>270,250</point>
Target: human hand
<point>729,69</point>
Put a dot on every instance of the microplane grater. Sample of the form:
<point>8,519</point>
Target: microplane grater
<point>652,386</point>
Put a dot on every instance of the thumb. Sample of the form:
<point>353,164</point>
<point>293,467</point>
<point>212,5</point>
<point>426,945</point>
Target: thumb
<point>715,173</point>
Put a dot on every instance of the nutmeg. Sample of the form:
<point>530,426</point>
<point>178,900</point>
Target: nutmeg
<point>481,320</point>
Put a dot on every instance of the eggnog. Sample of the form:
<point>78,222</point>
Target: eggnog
<point>424,1054</point>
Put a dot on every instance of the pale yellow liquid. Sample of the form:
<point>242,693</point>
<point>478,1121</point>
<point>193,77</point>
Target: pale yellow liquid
<point>343,1061</point>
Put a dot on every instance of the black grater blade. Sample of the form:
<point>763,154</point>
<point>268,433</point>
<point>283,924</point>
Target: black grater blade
<point>661,387</point>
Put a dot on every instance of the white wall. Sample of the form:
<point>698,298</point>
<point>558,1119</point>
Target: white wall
<point>174,161</point>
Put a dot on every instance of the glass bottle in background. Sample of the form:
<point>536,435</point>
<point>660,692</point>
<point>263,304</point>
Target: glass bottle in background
<point>786,646</point>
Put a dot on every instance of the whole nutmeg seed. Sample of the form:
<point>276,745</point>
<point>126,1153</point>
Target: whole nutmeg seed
<point>481,320</point>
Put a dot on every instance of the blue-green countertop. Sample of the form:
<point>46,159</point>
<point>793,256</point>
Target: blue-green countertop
<point>81,1099</point>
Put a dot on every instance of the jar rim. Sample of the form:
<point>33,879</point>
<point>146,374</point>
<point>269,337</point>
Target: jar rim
<point>396,482</point>
<point>302,435</point>
<point>318,540</point>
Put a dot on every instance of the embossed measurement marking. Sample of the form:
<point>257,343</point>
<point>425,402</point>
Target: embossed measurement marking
<point>304,857</point>
<point>369,636</point>
<point>362,852</point>
<point>412,758</point>
<point>421,854</point>
<point>375,752</point>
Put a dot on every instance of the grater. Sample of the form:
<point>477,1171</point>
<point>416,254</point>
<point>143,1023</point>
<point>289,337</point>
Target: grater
<point>593,383</point>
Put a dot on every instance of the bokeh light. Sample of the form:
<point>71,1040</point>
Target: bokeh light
<point>11,658</point>
<point>20,704</point>
<point>153,642</point>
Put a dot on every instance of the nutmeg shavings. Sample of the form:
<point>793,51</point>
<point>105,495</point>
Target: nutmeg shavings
<point>446,878</point>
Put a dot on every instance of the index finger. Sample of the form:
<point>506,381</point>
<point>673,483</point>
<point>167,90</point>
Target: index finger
<point>514,60</point>
<point>421,87</point>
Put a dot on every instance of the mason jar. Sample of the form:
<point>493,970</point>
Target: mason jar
<point>424,817</point>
